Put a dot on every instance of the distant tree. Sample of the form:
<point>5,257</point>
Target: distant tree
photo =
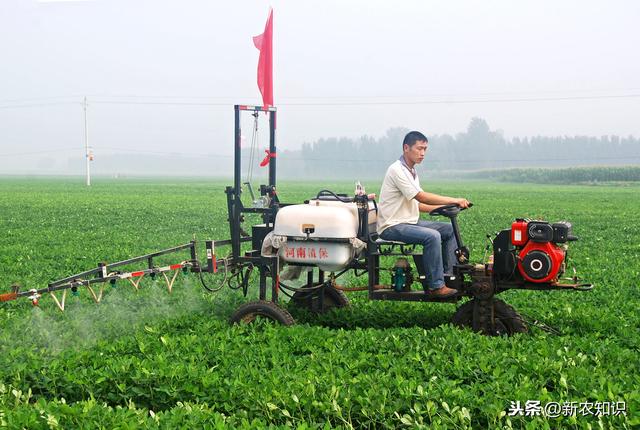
<point>475,149</point>
<point>478,130</point>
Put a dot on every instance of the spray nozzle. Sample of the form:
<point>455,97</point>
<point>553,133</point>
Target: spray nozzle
<point>34,297</point>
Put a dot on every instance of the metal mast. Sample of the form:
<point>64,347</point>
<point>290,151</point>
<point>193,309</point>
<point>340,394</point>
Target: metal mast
<point>86,143</point>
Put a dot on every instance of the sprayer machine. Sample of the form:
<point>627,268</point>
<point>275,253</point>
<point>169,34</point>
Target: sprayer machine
<point>327,237</point>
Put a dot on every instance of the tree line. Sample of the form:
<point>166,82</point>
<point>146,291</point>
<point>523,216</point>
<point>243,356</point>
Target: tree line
<point>478,148</point>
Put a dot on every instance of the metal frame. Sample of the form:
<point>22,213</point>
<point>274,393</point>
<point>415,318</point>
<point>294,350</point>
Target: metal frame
<point>105,273</point>
<point>236,209</point>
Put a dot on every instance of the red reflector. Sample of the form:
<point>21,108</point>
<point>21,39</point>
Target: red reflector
<point>175,266</point>
<point>134,274</point>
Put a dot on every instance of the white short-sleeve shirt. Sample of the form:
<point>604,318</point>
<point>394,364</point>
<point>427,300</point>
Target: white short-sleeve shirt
<point>397,204</point>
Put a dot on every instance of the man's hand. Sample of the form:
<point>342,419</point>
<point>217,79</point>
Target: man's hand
<point>463,203</point>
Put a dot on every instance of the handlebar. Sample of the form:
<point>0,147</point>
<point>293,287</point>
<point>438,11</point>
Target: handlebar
<point>449,210</point>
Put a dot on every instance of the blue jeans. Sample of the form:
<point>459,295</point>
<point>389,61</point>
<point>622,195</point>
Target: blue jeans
<point>438,247</point>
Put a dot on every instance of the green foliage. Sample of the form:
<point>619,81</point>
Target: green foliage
<point>148,359</point>
<point>574,175</point>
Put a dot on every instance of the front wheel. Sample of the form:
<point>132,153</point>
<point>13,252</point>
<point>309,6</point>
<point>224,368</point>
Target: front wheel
<point>261,309</point>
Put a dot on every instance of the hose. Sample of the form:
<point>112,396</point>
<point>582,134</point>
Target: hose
<point>215,290</point>
<point>302,289</point>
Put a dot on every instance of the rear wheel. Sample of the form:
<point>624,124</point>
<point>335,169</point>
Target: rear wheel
<point>333,298</point>
<point>261,309</point>
<point>491,317</point>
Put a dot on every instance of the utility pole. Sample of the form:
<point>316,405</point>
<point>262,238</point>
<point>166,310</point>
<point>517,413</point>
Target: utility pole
<point>86,143</point>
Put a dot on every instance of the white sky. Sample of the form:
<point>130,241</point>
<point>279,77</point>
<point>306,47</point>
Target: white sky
<point>342,68</point>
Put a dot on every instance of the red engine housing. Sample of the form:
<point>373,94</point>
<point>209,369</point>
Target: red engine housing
<point>541,262</point>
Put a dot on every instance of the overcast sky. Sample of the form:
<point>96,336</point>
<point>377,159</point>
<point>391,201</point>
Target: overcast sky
<point>162,75</point>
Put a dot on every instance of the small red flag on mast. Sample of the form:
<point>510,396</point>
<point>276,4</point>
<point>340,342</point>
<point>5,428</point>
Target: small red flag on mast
<point>265,63</point>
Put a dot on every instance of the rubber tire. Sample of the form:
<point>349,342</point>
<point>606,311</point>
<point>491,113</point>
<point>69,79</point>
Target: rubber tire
<point>464,315</point>
<point>333,298</point>
<point>506,320</point>
<point>509,318</point>
<point>248,312</point>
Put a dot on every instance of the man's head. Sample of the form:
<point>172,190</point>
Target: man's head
<point>414,147</point>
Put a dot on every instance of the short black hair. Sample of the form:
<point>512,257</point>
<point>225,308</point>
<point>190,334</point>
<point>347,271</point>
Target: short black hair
<point>412,137</point>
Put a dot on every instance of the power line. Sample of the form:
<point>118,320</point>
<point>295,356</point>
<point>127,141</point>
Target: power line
<point>467,95</point>
<point>39,104</point>
<point>31,99</point>
<point>159,103</point>
<point>14,154</point>
<point>332,160</point>
<point>366,102</point>
<point>324,97</point>
<point>388,102</point>
<point>166,153</point>
<point>146,96</point>
<point>425,102</point>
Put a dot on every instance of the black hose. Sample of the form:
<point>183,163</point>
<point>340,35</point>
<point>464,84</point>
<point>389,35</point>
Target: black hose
<point>287,294</point>
<point>355,272</point>
<point>215,290</point>
<point>238,275</point>
<point>206,287</point>
<point>331,193</point>
<point>302,289</point>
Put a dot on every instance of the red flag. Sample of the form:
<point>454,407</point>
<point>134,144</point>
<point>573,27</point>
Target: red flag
<point>265,64</point>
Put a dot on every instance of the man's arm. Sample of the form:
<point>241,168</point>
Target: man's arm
<point>428,208</point>
<point>431,201</point>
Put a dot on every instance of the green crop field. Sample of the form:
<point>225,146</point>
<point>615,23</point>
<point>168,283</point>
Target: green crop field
<point>148,359</point>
